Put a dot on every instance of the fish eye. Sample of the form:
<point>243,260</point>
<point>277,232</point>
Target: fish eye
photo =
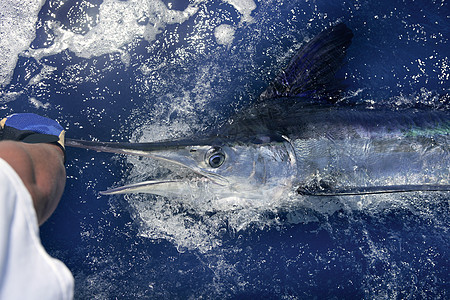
<point>215,157</point>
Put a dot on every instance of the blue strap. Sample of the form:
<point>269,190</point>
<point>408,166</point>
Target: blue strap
<point>35,123</point>
<point>32,128</point>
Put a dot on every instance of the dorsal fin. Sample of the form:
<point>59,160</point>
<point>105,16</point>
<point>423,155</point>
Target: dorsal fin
<point>312,70</point>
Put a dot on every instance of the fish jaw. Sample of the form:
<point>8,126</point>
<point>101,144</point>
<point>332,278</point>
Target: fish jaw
<point>201,189</point>
<point>165,188</point>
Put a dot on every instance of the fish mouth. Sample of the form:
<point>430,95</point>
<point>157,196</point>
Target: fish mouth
<point>177,152</point>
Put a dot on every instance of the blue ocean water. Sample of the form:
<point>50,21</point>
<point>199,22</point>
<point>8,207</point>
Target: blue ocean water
<point>147,70</point>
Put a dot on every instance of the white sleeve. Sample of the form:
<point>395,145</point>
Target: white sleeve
<point>26,269</point>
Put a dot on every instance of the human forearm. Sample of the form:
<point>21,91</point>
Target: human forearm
<point>41,168</point>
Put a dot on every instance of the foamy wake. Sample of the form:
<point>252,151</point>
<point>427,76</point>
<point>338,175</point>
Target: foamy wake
<point>119,24</point>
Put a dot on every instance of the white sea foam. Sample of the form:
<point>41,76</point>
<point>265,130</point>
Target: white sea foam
<point>245,7</point>
<point>6,97</point>
<point>120,22</point>
<point>38,104</point>
<point>17,31</point>
<point>224,34</point>
<point>45,72</point>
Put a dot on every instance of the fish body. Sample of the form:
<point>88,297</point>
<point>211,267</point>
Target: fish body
<point>296,140</point>
<point>344,148</point>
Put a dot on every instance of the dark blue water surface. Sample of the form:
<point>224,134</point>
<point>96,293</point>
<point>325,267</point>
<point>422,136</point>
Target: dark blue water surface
<point>182,80</point>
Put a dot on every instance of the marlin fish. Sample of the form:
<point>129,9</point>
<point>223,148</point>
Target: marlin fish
<point>295,138</point>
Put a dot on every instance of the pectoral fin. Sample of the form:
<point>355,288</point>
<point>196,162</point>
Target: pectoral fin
<point>370,190</point>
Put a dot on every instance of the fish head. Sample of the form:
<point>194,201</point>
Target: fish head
<point>225,168</point>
